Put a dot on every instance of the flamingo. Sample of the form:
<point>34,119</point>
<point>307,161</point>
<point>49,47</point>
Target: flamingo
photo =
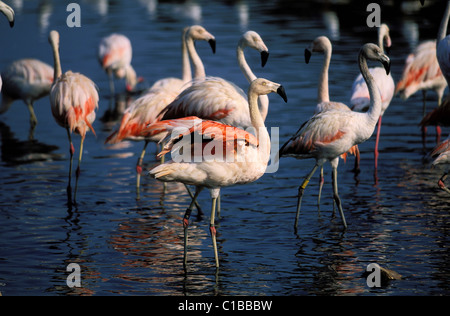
<point>360,98</point>
<point>422,73</point>
<point>327,135</point>
<point>114,54</point>
<point>217,99</point>
<point>146,109</point>
<point>323,45</point>
<point>442,156</point>
<point>244,160</point>
<point>8,12</point>
<point>74,100</point>
<point>27,80</point>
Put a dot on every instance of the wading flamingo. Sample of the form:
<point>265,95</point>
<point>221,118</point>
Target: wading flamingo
<point>441,154</point>
<point>114,54</point>
<point>249,156</point>
<point>8,12</point>
<point>146,109</point>
<point>323,45</point>
<point>73,100</point>
<point>360,98</point>
<point>27,80</point>
<point>329,134</point>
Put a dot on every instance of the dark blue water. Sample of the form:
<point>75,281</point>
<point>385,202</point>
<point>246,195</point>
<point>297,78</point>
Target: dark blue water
<point>397,217</point>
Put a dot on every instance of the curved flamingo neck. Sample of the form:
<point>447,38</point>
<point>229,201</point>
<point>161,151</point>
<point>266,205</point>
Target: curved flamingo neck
<point>374,111</point>
<point>185,63</point>
<point>263,100</point>
<point>323,93</point>
<point>199,69</point>
<point>258,124</point>
<point>57,72</point>
<point>443,26</point>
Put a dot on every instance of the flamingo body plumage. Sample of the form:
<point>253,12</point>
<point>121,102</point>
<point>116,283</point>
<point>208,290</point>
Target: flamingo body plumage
<point>360,98</point>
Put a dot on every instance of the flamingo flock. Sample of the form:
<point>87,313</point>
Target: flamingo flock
<point>214,130</point>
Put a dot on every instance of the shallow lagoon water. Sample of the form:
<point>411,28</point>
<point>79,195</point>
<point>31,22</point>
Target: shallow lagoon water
<point>397,217</point>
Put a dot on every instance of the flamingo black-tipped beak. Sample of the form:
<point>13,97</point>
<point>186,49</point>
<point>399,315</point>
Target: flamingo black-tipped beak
<point>11,24</point>
<point>387,66</point>
<point>307,55</point>
<point>264,58</point>
<point>422,2</point>
<point>212,43</point>
<point>282,93</point>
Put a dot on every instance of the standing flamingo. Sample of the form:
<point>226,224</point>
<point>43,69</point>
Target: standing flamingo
<point>442,156</point>
<point>146,109</point>
<point>360,98</point>
<point>8,12</point>
<point>329,134</point>
<point>244,159</point>
<point>73,100</point>
<point>323,45</point>
<point>27,80</point>
<point>114,54</point>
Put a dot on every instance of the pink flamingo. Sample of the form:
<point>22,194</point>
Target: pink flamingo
<point>243,157</point>
<point>146,109</point>
<point>323,45</point>
<point>114,54</point>
<point>442,156</point>
<point>329,134</point>
<point>8,12</point>
<point>74,100</point>
<point>27,80</point>
<point>360,98</point>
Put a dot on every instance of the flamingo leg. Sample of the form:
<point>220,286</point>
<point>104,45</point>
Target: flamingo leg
<point>200,212</point>
<point>376,143</point>
<point>321,181</point>
<point>71,151</point>
<point>139,169</point>
<point>187,215</point>
<point>441,183</point>
<point>78,171</point>
<point>301,189</point>
<point>33,119</point>
<point>336,197</point>
<point>212,229</point>
<point>111,83</point>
